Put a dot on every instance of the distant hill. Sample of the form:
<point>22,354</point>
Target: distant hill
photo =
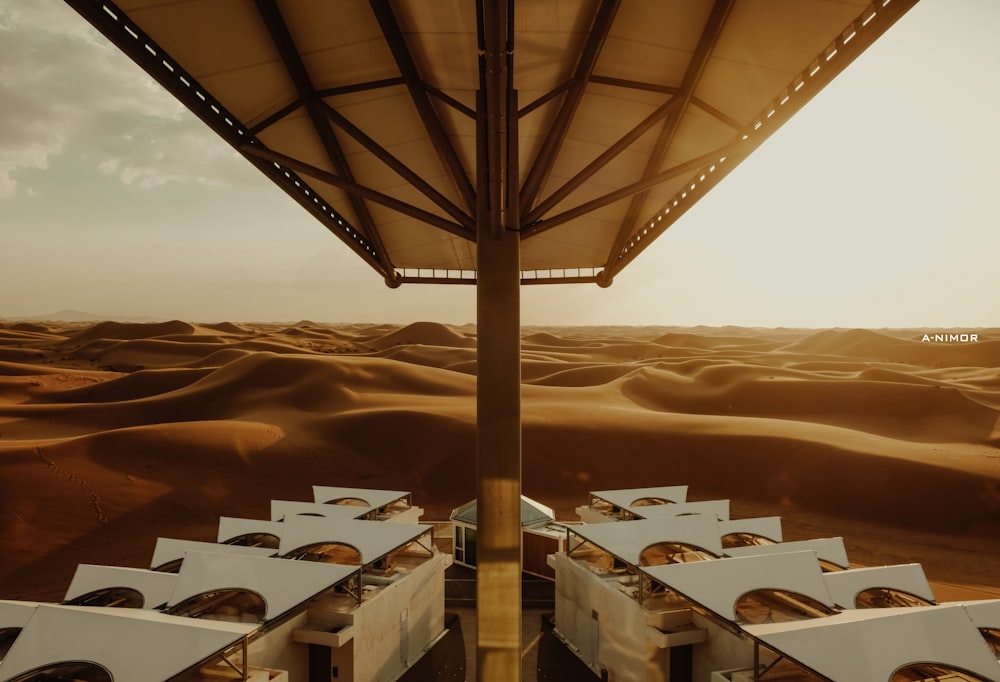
<point>83,316</point>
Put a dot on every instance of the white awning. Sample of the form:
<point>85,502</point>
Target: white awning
<point>985,614</point>
<point>154,586</point>
<point>871,644</point>
<point>16,614</point>
<point>171,549</point>
<point>284,584</point>
<point>627,540</point>
<point>231,527</point>
<point>765,526</point>
<point>372,539</point>
<point>717,508</point>
<point>846,585</point>
<point>828,549</point>
<point>282,509</point>
<point>325,494</point>
<point>135,645</point>
<point>628,497</point>
<point>717,585</point>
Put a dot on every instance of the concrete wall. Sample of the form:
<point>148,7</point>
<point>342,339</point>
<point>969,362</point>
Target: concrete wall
<point>393,627</point>
<point>723,651</point>
<point>390,629</point>
<point>276,650</point>
<point>608,628</point>
<point>623,637</point>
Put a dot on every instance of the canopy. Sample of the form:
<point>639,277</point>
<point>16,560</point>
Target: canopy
<point>620,115</point>
<point>627,540</point>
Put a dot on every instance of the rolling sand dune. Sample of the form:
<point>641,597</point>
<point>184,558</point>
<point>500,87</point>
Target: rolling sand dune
<point>113,434</point>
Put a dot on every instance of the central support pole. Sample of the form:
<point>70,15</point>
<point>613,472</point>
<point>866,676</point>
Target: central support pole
<point>498,391</point>
<point>498,409</point>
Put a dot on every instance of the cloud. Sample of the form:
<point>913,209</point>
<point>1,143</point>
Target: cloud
<point>65,90</point>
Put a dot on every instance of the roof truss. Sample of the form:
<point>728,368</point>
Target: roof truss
<point>580,219</point>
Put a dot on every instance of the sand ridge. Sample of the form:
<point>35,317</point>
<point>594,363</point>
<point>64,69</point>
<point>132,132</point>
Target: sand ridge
<point>112,434</point>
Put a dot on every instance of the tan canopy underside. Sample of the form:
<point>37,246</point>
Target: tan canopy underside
<point>365,112</point>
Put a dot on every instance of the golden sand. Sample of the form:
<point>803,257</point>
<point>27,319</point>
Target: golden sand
<point>113,434</point>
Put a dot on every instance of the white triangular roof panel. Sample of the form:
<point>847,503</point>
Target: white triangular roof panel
<point>373,497</point>
<point>871,644</point>
<point>134,645</point>
<point>154,586</point>
<point>717,508</point>
<point>16,614</point>
<point>718,585</point>
<point>231,527</point>
<point>283,583</point>
<point>171,549</point>
<point>628,539</point>
<point>827,549</point>
<point>629,496</point>
<point>765,526</point>
<point>284,509</point>
<point>985,614</point>
<point>846,585</point>
<point>372,539</point>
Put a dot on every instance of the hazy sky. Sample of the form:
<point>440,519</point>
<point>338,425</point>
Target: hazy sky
<point>878,205</point>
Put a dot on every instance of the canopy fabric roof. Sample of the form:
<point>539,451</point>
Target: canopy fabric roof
<point>614,118</point>
<point>765,526</point>
<point>627,497</point>
<point>627,540</point>
<point>284,584</point>
<point>16,614</point>
<point>171,549</point>
<point>372,539</point>
<point>827,549</point>
<point>285,509</point>
<point>718,584</point>
<point>119,640</point>
<point>985,614</point>
<point>846,585</point>
<point>231,527</point>
<point>155,587</point>
<point>717,508</point>
<point>374,498</point>
<point>873,643</point>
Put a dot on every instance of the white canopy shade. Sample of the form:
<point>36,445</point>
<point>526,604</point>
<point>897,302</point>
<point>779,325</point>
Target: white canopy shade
<point>372,539</point>
<point>155,587</point>
<point>284,584</point>
<point>134,645</point>
<point>827,549</point>
<point>871,644</point>
<point>627,540</point>
<point>717,585</point>
<point>846,585</point>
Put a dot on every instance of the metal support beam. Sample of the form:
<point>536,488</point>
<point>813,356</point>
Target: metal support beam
<point>404,171</point>
<point>259,151</point>
<point>585,67</point>
<point>396,41</point>
<point>292,60</point>
<point>605,157</point>
<point>696,67</point>
<point>628,190</point>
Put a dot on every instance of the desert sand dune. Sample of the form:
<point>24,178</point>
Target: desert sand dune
<point>113,434</point>
<point>421,334</point>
